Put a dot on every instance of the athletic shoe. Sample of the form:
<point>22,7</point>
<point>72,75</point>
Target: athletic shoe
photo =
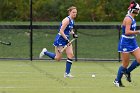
<point>128,76</point>
<point>42,52</point>
<point>68,75</point>
<point>118,83</point>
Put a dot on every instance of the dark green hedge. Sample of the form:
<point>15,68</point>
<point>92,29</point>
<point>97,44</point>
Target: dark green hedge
<point>55,10</point>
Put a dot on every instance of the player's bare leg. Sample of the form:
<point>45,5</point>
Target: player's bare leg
<point>69,52</point>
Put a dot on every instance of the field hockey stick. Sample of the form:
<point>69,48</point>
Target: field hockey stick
<point>62,50</point>
<point>5,43</point>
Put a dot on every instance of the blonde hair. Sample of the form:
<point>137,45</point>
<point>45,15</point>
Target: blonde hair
<point>71,8</point>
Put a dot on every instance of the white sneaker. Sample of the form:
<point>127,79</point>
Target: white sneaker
<point>42,52</point>
<point>68,75</point>
<point>118,84</point>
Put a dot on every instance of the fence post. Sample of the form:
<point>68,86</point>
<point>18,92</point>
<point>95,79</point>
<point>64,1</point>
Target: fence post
<point>119,34</point>
<point>76,46</point>
<point>31,38</point>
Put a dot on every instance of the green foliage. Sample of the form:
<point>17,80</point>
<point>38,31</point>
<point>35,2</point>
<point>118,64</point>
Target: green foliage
<point>56,10</point>
<point>13,10</point>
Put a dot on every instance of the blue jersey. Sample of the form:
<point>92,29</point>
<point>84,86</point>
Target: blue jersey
<point>133,26</point>
<point>128,43</point>
<point>59,40</point>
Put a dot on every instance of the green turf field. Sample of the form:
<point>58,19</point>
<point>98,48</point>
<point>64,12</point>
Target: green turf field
<point>47,77</point>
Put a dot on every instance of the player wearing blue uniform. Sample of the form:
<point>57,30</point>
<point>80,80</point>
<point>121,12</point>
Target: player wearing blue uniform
<point>128,45</point>
<point>62,39</point>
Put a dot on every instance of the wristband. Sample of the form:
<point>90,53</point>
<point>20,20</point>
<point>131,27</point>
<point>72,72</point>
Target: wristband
<point>75,36</point>
<point>67,41</point>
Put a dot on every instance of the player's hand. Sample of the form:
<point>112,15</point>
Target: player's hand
<point>139,31</point>
<point>75,36</point>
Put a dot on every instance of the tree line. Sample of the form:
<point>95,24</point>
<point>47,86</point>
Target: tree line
<point>56,10</point>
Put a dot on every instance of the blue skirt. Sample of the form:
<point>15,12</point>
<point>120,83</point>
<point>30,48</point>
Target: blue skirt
<point>127,45</point>
<point>59,41</point>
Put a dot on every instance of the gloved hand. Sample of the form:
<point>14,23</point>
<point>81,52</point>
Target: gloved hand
<point>75,36</point>
<point>67,41</point>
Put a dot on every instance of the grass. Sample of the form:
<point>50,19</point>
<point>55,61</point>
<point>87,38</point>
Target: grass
<point>47,77</point>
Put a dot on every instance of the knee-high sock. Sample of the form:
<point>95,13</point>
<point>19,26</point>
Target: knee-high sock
<point>50,54</point>
<point>68,65</point>
<point>134,65</point>
<point>120,73</point>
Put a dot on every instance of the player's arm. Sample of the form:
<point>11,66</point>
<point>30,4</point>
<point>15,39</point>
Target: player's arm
<point>128,22</point>
<point>65,22</point>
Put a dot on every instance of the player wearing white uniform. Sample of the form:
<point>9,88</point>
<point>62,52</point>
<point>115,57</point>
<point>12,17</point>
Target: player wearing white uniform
<point>128,45</point>
<point>62,39</point>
